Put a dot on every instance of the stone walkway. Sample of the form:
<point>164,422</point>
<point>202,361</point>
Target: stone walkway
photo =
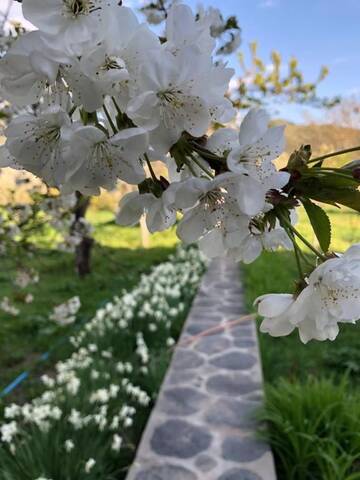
<point>203,425</point>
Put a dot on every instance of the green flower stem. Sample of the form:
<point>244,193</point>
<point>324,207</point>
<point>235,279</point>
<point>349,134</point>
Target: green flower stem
<point>204,169</point>
<point>72,111</point>
<point>152,173</point>
<point>206,153</point>
<point>286,222</point>
<point>190,167</point>
<point>297,254</point>
<point>108,116</point>
<point>334,154</point>
<point>333,173</point>
<point>116,106</point>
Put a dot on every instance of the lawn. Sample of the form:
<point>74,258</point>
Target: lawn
<point>118,262</point>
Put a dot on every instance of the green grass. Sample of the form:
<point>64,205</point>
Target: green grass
<point>118,262</point>
<point>314,429</point>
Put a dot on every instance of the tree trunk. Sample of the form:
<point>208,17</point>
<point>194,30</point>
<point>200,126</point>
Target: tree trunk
<point>84,249</point>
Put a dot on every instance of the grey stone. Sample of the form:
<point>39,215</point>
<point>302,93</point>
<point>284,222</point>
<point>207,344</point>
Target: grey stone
<point>180,439</point>
<point>247,449</point>
<point>179,377</point>
<point>202,301</point>
<point>233,309</point>
<point>240,474</point>
<point>166,472</point>
<point>232,413</point>
<point>233,385</point>
<point>234,361</point>
<point>201,327</point>
<point>244,343</point>
<point>205,463</point>
<point>182,401</point>
<point>242,331</point>
<point>186,359</point>
<point>212,345</point>
<point>212,318</point>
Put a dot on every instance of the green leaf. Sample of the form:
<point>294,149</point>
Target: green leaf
<point>348,197</point>
<point>320,223</point>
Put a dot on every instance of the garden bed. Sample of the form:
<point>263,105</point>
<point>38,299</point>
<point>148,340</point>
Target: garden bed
<point>118,262</point>
<point>90,416</point>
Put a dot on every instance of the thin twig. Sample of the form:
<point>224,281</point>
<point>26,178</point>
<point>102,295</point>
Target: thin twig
<point>152,173</point>
<point>216,329</point>
<point>334,154</point>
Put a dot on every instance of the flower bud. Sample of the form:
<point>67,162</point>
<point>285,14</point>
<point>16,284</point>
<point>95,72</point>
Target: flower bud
<point>300,158</point>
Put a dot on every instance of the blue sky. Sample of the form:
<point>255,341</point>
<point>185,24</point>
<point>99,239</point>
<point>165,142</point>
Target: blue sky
<point>317,32</point>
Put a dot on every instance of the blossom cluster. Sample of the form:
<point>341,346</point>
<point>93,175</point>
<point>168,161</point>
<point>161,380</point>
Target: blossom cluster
<point>330,297</point>
<point>112,97</point>
<point>101,394</point>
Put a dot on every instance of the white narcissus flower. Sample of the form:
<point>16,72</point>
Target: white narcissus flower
<point>89,465</point>
<point>331,297</point>
<point>168,101</point>
<point>28,68</point>
<point>101,161</point>
<point>160,212</point>
<point>116,443</point>
<point>258,146</point>
<point>8,431</point>
<point>69,445</point>
<point>38,143</point>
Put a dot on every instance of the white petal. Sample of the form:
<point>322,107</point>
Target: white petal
<point>188,192</point>
<point>277,327</point>
<point>251,249</point>
<point>353,252</point>
<point>212,244</point>
<point>222,140</point>
<point>192,226</point>
<point>273,305</point>
<point>144,110</point>
<point>251,196</point>
<point>132,208</point>
<point>43,66</point>
<point>253,126</point>
<point>159,217</point>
